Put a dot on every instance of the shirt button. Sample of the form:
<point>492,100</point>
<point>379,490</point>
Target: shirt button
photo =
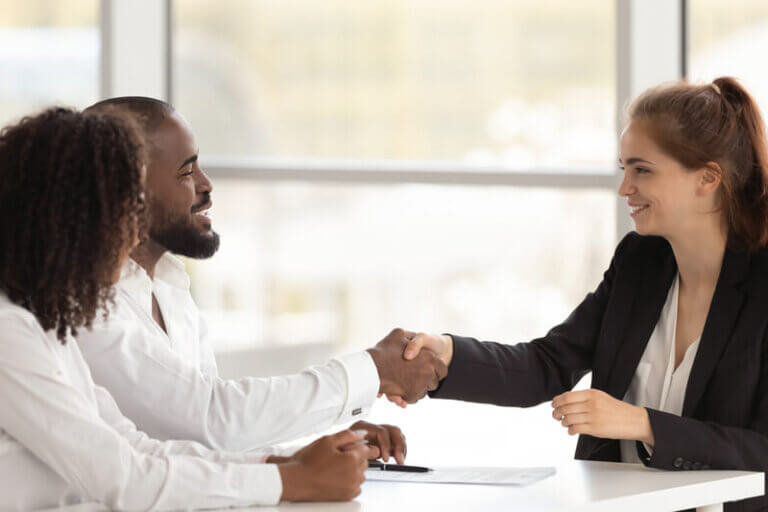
<point>687,465</point>
<point>678,462</point>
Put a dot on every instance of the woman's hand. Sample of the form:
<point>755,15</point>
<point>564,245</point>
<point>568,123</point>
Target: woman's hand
<point>598,414</point>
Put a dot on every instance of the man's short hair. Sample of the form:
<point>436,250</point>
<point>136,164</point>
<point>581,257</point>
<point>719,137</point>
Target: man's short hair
<point>148,112</point>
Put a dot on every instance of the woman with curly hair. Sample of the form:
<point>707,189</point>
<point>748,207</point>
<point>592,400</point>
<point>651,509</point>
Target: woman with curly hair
<point>71,205</point>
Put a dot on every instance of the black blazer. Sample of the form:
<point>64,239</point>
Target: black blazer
<point>724,424</point>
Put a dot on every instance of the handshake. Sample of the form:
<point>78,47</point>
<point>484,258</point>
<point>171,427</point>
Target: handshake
<point>407,372</point>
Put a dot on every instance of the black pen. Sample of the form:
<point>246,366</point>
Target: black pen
<point>397,467</point>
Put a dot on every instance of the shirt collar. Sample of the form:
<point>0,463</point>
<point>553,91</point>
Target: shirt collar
<point>168,269</point>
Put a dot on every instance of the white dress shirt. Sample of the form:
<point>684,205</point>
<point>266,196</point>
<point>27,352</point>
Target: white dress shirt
<point>169,386</point>
<point>657,383</point>
<point>64,441</point>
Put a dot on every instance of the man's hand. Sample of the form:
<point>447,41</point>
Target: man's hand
<point>409,379</point>
<point>385,440</point>
<point>330,469</point>
<point>598,414</point>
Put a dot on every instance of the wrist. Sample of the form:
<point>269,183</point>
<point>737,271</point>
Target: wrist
<point>294,483</point>
<point>447,356</point>
<point>377,356</point>
<point>646,432</point>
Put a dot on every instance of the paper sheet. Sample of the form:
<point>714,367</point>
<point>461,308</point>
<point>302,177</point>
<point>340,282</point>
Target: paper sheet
<point>465,475</point>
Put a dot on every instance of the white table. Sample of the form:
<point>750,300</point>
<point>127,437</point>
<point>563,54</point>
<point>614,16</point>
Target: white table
<point>577,485</point>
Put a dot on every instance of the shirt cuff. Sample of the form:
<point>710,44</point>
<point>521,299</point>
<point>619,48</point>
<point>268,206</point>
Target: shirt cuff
<point>263,482</point>
<point>362,384</point>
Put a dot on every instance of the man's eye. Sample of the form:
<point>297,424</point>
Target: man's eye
<point>188,173</point>
<point>641,170</point>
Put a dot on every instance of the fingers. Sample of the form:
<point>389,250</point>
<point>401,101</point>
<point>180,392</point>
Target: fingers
<point>413,347</point>
<point>383,442</point>
<point>373,452</point>
<point>583,428</point>
<point>398,443</point>
<point>344,437</point>
<point>578,418</point>
<point>359,453</point>
<point>578,407</point>
<point>572,397</point>
<point>397,400</point>
<point>441,369</point>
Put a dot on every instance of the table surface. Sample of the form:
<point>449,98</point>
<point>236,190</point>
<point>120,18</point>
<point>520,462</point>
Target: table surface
<point>577,485</point>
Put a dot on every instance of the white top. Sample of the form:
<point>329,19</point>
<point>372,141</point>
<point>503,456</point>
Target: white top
<point>168,384</point>
<point>656,383</point>
<point>64,441</point>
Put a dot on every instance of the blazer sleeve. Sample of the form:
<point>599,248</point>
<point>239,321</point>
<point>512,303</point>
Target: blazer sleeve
<point>527,374</point>
<point>688,443</point>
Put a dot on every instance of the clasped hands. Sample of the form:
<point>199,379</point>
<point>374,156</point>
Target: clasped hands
<point>406,372</point>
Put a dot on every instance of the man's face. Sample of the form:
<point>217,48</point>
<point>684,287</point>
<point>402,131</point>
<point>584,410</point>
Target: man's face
<point>178,192</point>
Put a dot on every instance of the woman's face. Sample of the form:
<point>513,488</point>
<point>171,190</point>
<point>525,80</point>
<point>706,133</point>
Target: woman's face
<point>664,198</point>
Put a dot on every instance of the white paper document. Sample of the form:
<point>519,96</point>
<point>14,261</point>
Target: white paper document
<point>465,475</point>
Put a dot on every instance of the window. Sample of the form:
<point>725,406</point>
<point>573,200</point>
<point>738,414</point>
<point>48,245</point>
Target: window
<point>304,263</point>
<point>730,39</point>
<point>319,267</point>
<point>49,54</point>
<point>494,83</point>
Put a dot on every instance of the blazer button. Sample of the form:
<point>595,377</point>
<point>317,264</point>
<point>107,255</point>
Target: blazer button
<point>696,466</point>
<point>687,465</point>
<point>678,462</point>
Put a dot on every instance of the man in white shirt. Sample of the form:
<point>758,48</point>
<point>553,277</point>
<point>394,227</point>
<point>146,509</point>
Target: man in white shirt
<point>152,352</point>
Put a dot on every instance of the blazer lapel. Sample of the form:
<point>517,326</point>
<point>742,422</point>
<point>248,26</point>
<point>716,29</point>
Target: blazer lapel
<point>651,289</point>
<point>723,313</point>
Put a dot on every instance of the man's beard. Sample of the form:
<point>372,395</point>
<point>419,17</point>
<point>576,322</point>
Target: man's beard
<point>180,236</point>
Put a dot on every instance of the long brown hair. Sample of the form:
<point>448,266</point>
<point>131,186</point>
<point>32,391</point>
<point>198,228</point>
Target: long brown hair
<point>71,201</point>
<point>721,123</point>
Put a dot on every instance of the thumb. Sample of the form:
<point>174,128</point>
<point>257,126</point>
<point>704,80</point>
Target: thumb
<point>413,347</point>
<point>345,437</point>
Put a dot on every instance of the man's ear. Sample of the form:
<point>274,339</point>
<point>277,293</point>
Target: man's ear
<point>710,179</point>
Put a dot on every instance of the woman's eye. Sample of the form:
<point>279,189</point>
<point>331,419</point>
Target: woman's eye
<point>641,170</point>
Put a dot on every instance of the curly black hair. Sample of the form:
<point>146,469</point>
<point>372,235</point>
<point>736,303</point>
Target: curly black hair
<point>71,207</point>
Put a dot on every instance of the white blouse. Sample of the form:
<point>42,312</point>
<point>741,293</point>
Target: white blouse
<point>656,383</point>
<point>64,441</point>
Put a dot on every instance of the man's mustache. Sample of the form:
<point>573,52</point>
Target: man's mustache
<point>206,199</point>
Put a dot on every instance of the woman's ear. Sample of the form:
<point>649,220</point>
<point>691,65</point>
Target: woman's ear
<point>710,178</point>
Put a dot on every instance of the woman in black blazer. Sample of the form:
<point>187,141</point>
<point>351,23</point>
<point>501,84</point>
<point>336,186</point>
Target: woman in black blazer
<point>696,181</point>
